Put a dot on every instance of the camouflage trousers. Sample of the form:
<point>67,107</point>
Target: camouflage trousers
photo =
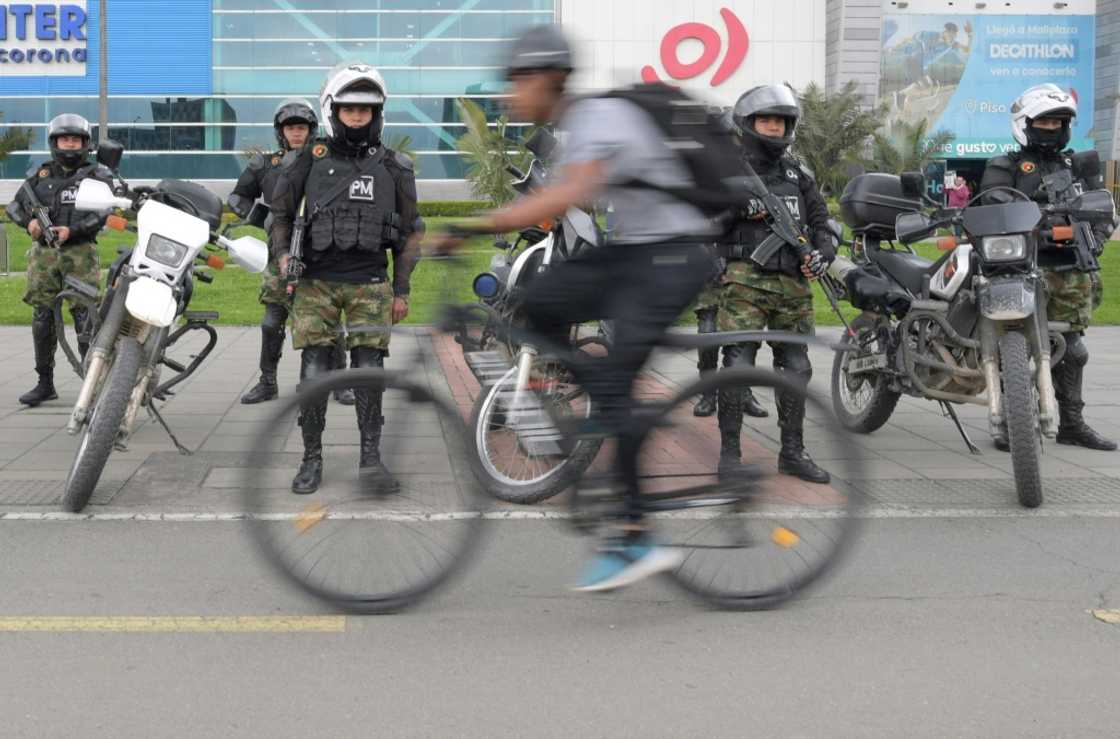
<point>750,299</point>
<point>1072,297</point>
<point>274,286</point>
<point>708,298</point>
<point>317,313</point>
<point>48,268</point>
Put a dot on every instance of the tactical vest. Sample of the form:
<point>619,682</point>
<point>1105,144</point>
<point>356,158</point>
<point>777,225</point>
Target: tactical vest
<point>351,203</point>
<point>57,188</point>
<point>1030,168</point>
<point>784,180</point>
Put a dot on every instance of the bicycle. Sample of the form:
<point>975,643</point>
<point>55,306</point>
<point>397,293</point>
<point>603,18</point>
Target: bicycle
<point>367,552</point>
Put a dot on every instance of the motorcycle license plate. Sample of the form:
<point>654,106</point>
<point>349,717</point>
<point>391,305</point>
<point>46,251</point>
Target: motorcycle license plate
<point>867,363</point>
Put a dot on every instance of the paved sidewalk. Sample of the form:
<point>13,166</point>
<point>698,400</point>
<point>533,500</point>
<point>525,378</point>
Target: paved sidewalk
<point>916,462</point>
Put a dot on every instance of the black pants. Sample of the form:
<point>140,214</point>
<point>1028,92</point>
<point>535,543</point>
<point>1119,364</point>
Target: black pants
<point>644,289</point>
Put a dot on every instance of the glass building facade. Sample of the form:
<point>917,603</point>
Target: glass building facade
<point>198,113</point>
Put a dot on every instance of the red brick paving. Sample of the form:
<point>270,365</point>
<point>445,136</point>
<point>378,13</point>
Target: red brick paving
<point>689,447</point>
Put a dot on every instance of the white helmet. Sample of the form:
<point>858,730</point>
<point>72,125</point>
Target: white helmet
<point>1042,101</point>
<point>352,83</point>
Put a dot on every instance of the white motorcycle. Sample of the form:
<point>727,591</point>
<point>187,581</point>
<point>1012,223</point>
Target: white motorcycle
<point>147,291</point>
<point>516,446</point>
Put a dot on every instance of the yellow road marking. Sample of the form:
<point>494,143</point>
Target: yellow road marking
<point>176,624</point>
<point>1109,616</point>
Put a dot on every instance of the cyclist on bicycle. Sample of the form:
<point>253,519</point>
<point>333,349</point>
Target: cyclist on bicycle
<point>653,268</point>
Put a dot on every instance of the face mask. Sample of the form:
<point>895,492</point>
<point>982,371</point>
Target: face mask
<point>1049,140</point>
<point>70,158</point>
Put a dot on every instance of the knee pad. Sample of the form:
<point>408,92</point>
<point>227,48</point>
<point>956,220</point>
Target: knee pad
<point>367,356</point>
<point>793,359</point>
<point>315,361</point>
<point>740,355</point>
<point>275,316</point>
<point>1076,351</point>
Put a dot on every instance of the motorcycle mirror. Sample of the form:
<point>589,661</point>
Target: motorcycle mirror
<point>1087,164</point>
<point>97,196</point>
<point>911,227</point>
<point>1095,205</point>
<point>248,252</point>
<point>258,215</point>
<point>913,185</point>
<point>109,153</point>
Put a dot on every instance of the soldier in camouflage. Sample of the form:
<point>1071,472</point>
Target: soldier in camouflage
<point>775,295</point>
<point>55,184</point>
<point>294,124</point>
<point>1040,122</point>
<point>360,198</point>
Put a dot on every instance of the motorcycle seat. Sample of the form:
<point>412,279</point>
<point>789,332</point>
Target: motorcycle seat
<point>909,270</point>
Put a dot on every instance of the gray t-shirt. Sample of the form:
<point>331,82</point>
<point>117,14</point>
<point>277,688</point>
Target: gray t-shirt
<point>633,147</point>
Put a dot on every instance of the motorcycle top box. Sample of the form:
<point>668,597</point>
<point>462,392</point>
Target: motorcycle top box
<point>871,202</point>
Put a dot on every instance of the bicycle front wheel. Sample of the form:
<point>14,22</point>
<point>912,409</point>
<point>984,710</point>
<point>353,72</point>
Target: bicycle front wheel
<point>358,542</point>
<point>750,538</point>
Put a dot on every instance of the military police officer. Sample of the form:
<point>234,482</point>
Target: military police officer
<point>1040,122</point>
<point>55,185</point>
<point>294,124</point>
<point>775,295</point>
<point>360,199</point>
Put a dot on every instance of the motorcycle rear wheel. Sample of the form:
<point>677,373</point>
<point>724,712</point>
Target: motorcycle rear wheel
<point>872,407</point>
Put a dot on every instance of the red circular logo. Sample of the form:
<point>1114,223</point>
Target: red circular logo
<point>738,42</point>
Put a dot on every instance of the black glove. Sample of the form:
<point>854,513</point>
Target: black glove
<point>818,263</point>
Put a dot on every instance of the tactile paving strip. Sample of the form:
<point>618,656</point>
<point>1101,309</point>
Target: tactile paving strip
<point>989,492</point>
<point>49,492</point>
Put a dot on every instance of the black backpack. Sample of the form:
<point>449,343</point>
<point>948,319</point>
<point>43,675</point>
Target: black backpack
<point>703,143</point>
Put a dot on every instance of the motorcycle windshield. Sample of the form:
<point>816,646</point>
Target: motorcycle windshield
<point>1007,218</point>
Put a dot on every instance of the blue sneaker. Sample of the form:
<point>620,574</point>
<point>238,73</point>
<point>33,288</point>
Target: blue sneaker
<point>627,562</point>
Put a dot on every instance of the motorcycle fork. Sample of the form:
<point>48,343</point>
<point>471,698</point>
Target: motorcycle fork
<point>989,360</point>
<point>524,371</point>
<point>152,348</point>
<point>1038,333</point>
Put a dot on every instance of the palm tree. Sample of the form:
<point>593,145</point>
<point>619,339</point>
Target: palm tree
<point>13,139</point>
<point>906,147</point>
<point>832,132</point>
<point>489,152</point>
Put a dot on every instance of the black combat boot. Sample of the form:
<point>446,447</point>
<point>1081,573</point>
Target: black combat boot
<point>730,420</point>
<point>375,477</point>
<point>792,360</point>
<point>1069,376</point>
<point>793,459</point>
<point>314,361</point>
<point>272,346</point>
<point>344,396</point>
<point>45,340</point>
<point>707,360</point>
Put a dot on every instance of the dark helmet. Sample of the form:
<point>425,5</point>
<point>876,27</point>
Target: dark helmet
<point>293,110</point>
<point>68,124</point>
<point>779,100</point>
<point>540,48</point>
<point>353,83</point>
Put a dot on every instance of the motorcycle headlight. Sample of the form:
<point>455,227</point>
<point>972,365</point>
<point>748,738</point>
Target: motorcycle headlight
<point>165,251</point>
<point>1004,248</point>
<point>486,286</point>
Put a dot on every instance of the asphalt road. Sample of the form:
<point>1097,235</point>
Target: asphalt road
<point>969,626</point>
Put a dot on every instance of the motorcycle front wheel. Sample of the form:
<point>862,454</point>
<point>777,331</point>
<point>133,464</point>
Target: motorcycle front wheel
<point>101,430</point>
<point>1021,412</point>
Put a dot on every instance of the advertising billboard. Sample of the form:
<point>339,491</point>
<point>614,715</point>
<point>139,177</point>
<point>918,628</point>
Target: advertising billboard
<point>961,72</point>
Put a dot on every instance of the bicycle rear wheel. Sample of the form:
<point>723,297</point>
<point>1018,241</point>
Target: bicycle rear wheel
<point>352,543</point>
<point>754,538</point>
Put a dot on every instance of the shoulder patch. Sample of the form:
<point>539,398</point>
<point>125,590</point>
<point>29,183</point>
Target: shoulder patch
<point>276,160</point>
<point>319,151</point>
<point>44,172</point>
<point>1027,166</point>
